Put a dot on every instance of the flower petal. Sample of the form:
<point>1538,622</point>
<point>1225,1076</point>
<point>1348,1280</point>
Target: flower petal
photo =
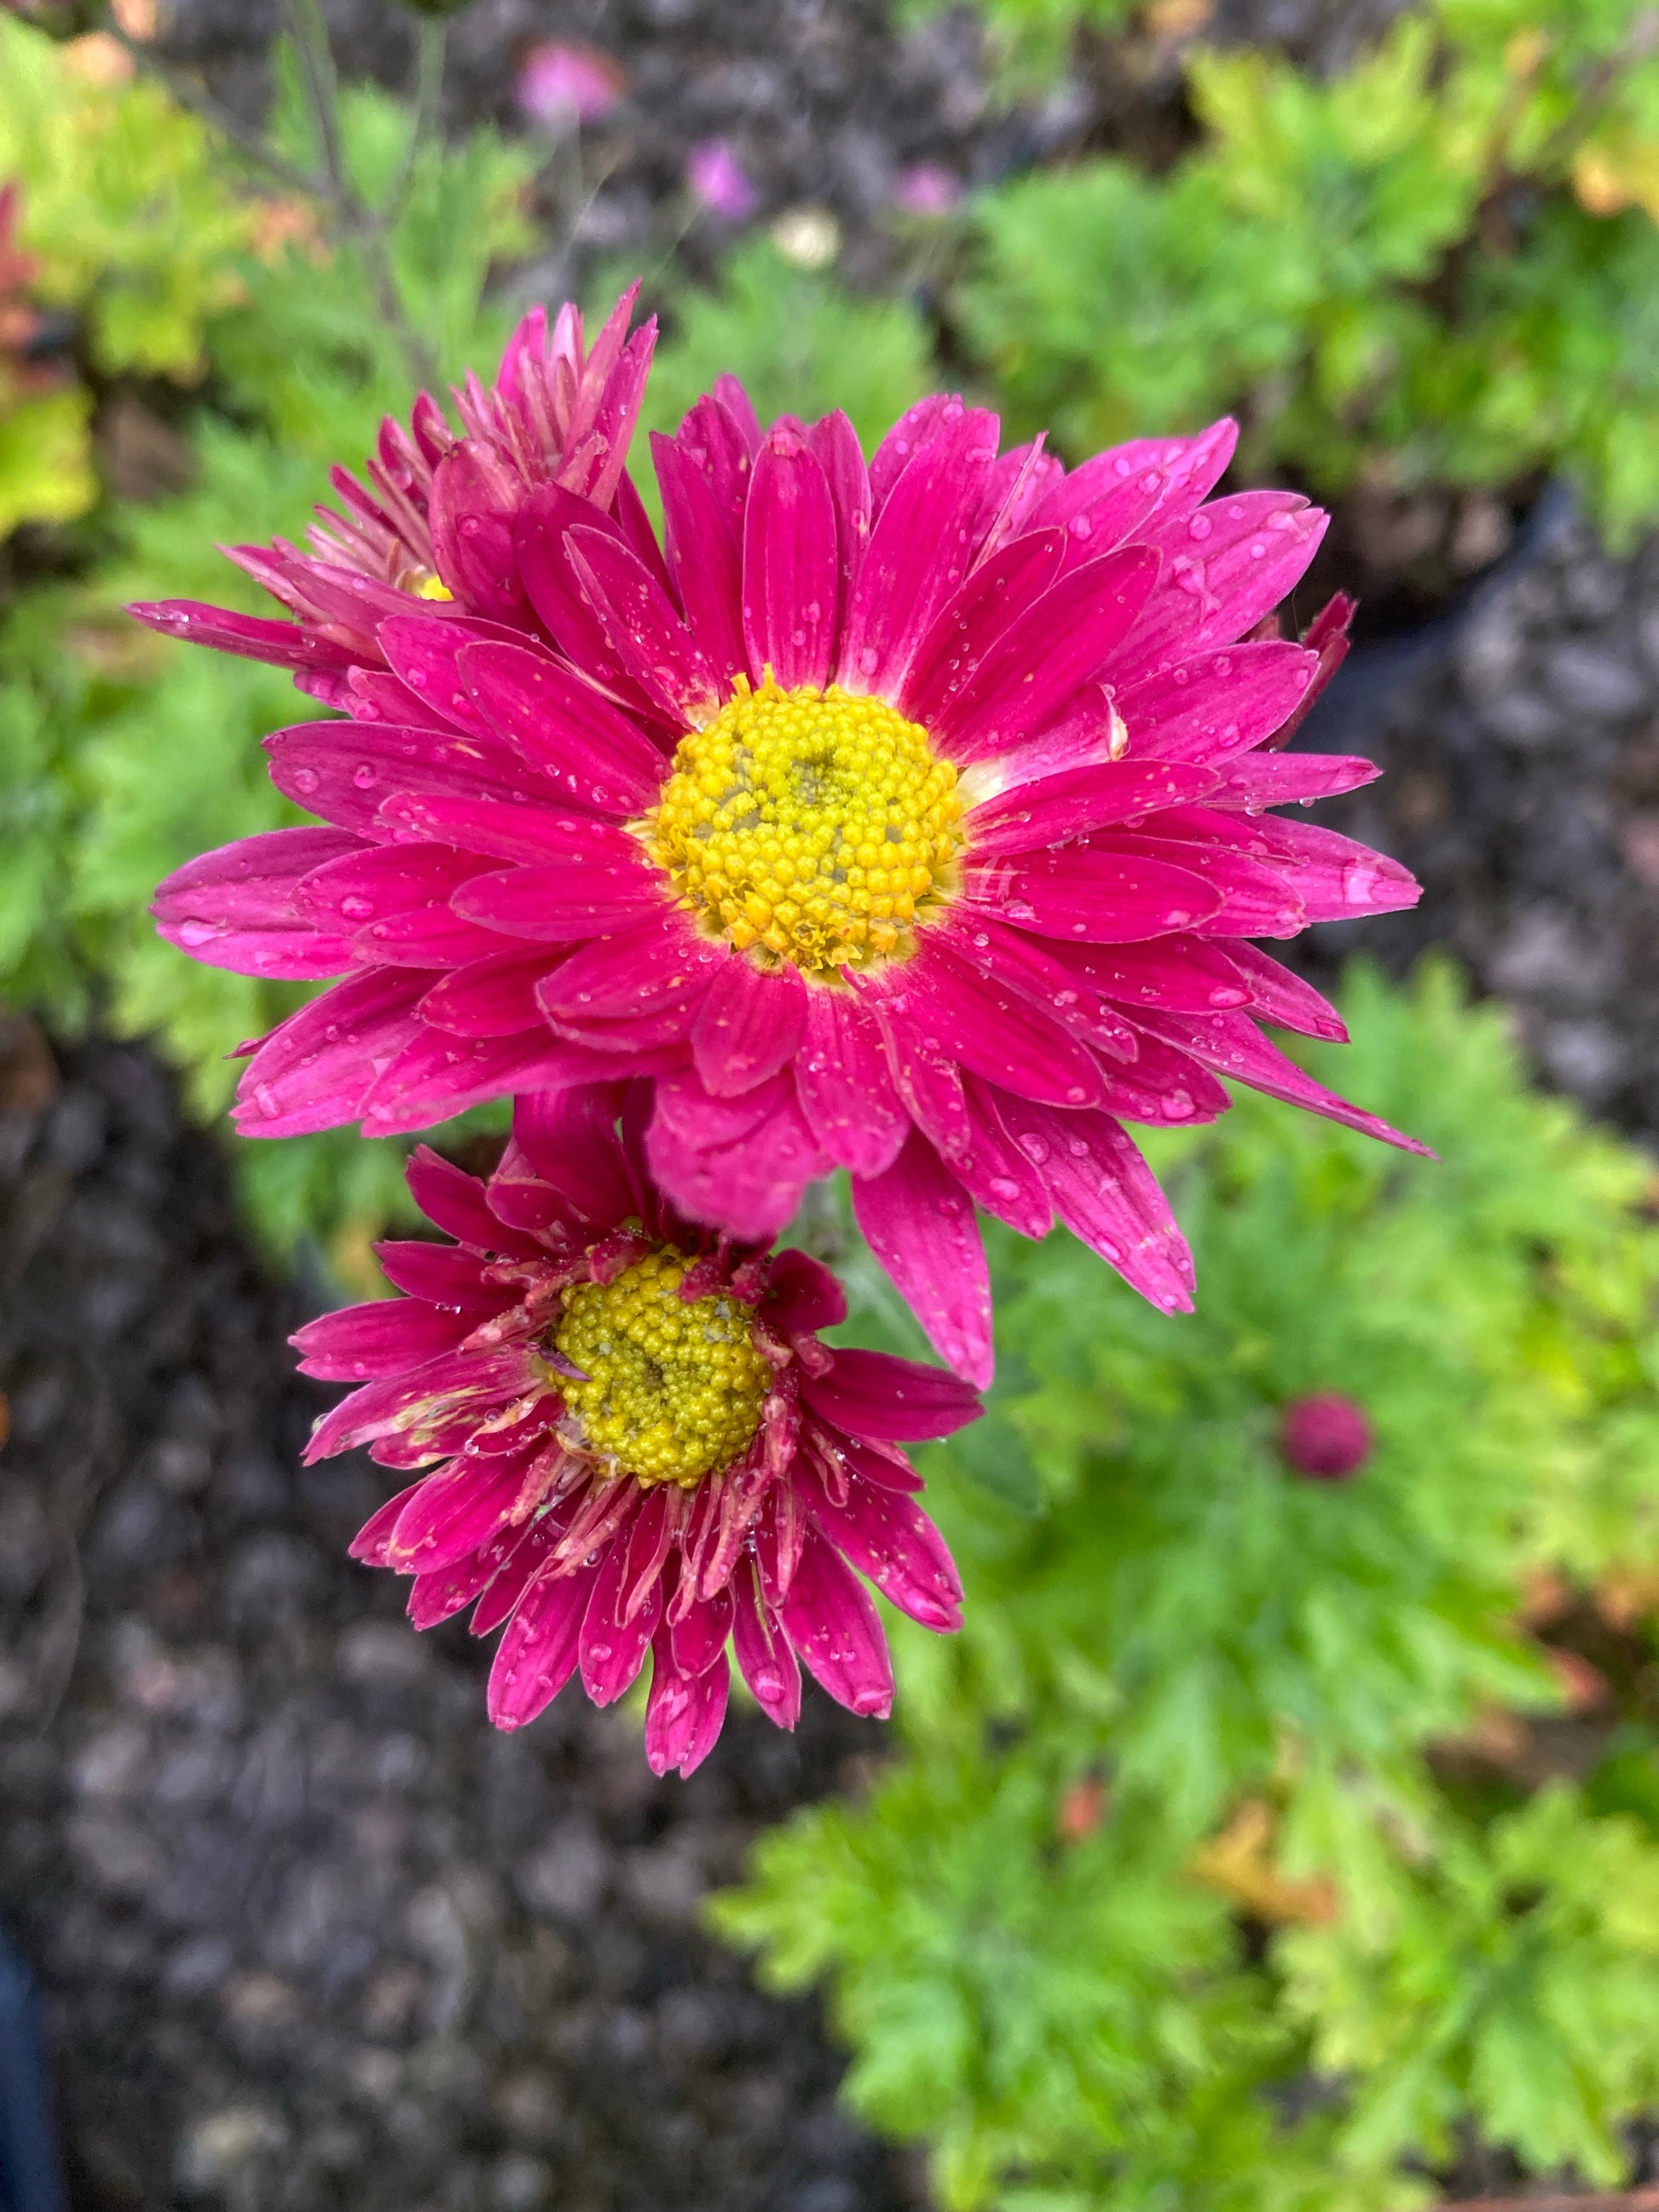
<point>830,1619</point>
<point>1107,1195</point>
<point>314,1070</point>
<point>845,1086</point>
<point>563,729</point>
<point>835,443</point>
<point>239,908</point>
<point>440,1275</point>
<point>802,1295</point>
<point>748,1026</point>
<point>456,1512</point>
<point>373,881</point>
<point>470,512</point>
<point>1234,1047</point>
<point>1079,799</point>
<point>538,1654</point>
<point>937,1004</point>
<point>685,1713</point>
<point>791,563</point>
<point>611,1650</point>
<point>1228,565</point>
<point>919,550</point>
<point>888,1538</point>
<point>1039,973</point>
<point>255,637</point>
<point>698,1637</point>
<point>769,1666</point>
<point>570,1140</point>
<point>704,552</point>
<point>1258,899</point>
<point>872,1393</point>
<point>919,1224</point>
<point>643,629</point>
<point>458,1204</point>
<point>1179,971</point>
<point>1094,896</point>
<point>387,1336</point>
<point>914,428</point>
<point>542,532</point>
<point>1047,654</point>
<point>1266,779</point>
<point>345,771</point>
<point>1277,995</point>
<point>439,1074</point>
<point>494,997</point>
<point>564,901</point>
<point>973,618</point>
<point>749,1184</point>
<point>412,1404</point>
<point>425,655</point>
<point>1216,704</point>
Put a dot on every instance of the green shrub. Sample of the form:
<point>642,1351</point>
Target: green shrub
<point>1439,269</point>
<point>1189,1676</point>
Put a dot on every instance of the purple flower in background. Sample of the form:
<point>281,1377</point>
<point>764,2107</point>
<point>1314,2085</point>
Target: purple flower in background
<point>1325,1437</point>
<point>716,178</point>
<point>559,83</point>
<point>927,188</point>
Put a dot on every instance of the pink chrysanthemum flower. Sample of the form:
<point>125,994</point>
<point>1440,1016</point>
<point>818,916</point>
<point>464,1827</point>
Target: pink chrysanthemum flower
<point>908,817</point>
<point>432,529</point>
<point>641,1442</point>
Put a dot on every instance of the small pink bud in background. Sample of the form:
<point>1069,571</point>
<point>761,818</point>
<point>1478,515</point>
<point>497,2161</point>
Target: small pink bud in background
<point>1325,1437</point>
<point>717,180</point>
<point>927,188</point>
<point>559,84</point>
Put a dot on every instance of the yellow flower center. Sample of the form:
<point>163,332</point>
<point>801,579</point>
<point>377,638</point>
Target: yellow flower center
<point>811,826</point>
<point>674,1389</point>
<point>423,584</point>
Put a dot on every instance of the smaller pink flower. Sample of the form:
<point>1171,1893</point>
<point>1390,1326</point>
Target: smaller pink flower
<point>718,180</point>
<point>1325,1436</point>
<point>632,1438</point>
<point>559,83</point>
<point>927,188</point>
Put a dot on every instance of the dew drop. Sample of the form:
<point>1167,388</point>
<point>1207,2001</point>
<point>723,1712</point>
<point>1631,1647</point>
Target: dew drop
<point>356,909</point>
<point>1199,526</point>
<point>305,778</point>
<point>266,1100</point>
<point>364,776</point>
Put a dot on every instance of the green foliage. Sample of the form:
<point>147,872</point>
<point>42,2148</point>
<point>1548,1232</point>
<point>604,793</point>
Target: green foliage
<point>1158,1610</point>
<point>1441,268</point>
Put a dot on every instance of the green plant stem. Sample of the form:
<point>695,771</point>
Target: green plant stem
<point>311,42</point>
<point>430,39</point>
<point>248,141</point>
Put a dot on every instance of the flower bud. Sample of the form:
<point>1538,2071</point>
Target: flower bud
<point>1325,1437</point>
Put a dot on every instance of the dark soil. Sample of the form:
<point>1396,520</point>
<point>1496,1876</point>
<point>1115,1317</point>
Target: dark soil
<point>311,1933</point>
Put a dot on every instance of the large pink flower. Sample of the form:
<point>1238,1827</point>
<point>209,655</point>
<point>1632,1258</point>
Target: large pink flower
<point>909,818</point>
<point>432,529</point>
<point>642,1444</point>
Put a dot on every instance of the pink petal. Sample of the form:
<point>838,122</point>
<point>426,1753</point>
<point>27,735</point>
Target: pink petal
<point>1183,972</point>
<point>844,1085</point>
<point>439,1074</point>
<point>237,907</point>
<point>508,829</point>
<point>698,1637</point>
<point>1327,635</point>
<point>425,653</point>
<point>740,407</point>
<point>770,1667</point>
<point>1234,1047</point>
<point>370,1541</point>
<point>345,771</point>
<point>563,729</point>
<point>1102,504</point>
<point>643,629</point>
<point>1045,655</point>
<point>749,1184</point>
<point>494,997</point>
<point>1277,995</point>
<point>458,1203</point>
<point>1097,896</point>
<point>441,1274</point>
<point>570,899</point>
<point>537,1657</point>
<point>543,531</point>
<point>836,444</point>
<point>632,518</point>
<point>929,1083</point>
<point>1228,565</point>
<point>748,1026</point>
<point>448,1591</point>
<point>920,550</point>
<point>388,1336</point>
<point>373,881</point>
<point>284,644</point>
<point>315,1069</point>
<point>683,1714</point>
<point>888,1537</point>
<point>919,1224</point>
<point>993,1170</point>
<point>1334,878</point>
<point>661,960</point>
<point>521,1562</point>
<point>1080,799</point>
<point>914,428</point>
<point>791,575</point>
<point>455,1512</point>
<point>612,1651</point>
<point>1258,899</point>
<point>1107,1195</point>
<point>455,1386</point>
<point>1016,487</point>
<point>721,442</point>
<point>936,1005</point>
<point>704,554</point>
<point>1043,973</point>
<point>1267,779</point>
<point>831,1620</point>
<point>1165,1088</point>
<point>432,937</point>
<point>570,1140</point>
<point>871,1394</point>
<point>802,1296</point>
<point>974,619</point>
<point>1217,704</point>
<point>471,509</point>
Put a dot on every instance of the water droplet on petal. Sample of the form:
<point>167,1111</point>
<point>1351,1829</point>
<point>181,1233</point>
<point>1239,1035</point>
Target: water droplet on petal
<point>305,778</point>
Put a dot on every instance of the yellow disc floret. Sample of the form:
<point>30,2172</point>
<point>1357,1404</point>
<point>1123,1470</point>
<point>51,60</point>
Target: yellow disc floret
<point>674,1388</point>
<point>810,826</point>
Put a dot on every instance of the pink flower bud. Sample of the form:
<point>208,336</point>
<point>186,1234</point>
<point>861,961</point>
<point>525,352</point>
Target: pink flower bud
<point>1325,1437</point>
<point>559,84</point>
<point>927,188</point>
<point>717,179</point>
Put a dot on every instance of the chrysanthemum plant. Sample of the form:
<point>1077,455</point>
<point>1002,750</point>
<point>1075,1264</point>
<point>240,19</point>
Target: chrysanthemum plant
<point>907,815</point>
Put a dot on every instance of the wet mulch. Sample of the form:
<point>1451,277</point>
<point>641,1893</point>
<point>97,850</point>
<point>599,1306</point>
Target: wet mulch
<point>1521,739</point>
<point>311,1933</point>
